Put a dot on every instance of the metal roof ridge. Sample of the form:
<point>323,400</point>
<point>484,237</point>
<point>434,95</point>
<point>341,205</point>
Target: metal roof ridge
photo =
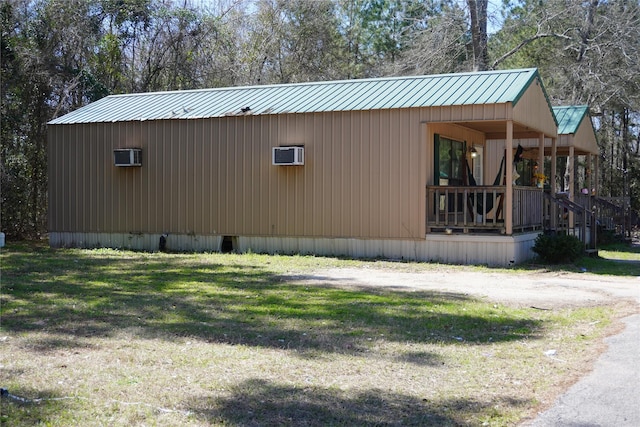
<point>327,82</point>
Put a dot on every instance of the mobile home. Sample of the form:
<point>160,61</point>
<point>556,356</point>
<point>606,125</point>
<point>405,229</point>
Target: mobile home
<point>397,167</point>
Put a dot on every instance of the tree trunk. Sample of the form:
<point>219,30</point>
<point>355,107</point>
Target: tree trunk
<point>478,15</point>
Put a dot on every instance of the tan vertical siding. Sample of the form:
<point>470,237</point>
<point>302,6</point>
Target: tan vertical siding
<point>102,179</point>
<point>585,139</point>
<point>154,199</point>
<point>169,182</point>
<point>236,142</point>
<point>91,221</point>
<point>533,110</point>
<point>493,154</point>
<point>147,184</point>
<point>189,175</point>
<point>116,182</point>
<point>79,181</point>
<point>172,178</point>
<point>97,186</point>
<point>311,127</point>
<point>380,210</point>
<point>205,188</point>
<point>366,172</point>
<point>322,152</point>
<point>71,220</point>
<point>466,113</point>
<point>134,214</point>
<point>418,159</point>
<point>335,157</point>
<point>392,189</point>
<point>364,176</point>
<point>315,154</point>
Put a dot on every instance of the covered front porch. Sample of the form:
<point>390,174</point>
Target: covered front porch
<point>481,197</point>
<point>530,195</point>
<point>495,223</point>
<point>460,200</point>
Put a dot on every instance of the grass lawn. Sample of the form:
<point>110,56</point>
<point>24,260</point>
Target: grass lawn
<point>619,259</point>
<point>106,337</point>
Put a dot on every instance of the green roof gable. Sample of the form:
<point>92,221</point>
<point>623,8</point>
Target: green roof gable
<point>490,87</point>
<point>569,118</point>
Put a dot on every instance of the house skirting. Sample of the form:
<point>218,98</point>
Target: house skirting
<point>135,241</point>
<point>451,249</point>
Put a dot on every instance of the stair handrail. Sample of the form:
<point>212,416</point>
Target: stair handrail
<point>565,202</point>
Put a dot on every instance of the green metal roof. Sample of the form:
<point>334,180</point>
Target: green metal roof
<point>490,87</point>
<point>570,117</point>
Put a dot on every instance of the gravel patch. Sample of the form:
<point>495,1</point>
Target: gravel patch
<point>545,290</point>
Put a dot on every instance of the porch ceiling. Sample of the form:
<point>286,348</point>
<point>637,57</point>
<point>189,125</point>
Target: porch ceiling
<point>531,152</point>
<point>564,151</point>
<point>564,144</point>
<point>498,129</point>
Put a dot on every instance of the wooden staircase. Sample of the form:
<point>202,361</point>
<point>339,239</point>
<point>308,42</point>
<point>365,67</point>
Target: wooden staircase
<point>591,215</point>
<point>558,220</point>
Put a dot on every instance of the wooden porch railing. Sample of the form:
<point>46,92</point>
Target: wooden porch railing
<point>528,208</point>
<point>481,208</point>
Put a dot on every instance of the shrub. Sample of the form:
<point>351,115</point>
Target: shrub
<point>607,237</point>
<point>558,249</point>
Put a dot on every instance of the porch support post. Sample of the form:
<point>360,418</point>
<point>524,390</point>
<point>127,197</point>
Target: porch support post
<point>541,153</point>
<point>572,184</point>
<point>542,171</point>
<point>589,178</point>
<point>508,199</point>
<point>426,174</point>
<point>554,163</point>
<point>552,183</point>
<point>596,175</point>
<point>593,234</point>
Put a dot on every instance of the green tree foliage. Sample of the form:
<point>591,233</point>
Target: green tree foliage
<point>44,73</point>
<point>123,22</point>
<point>293,41</point>
<point>378,33</point>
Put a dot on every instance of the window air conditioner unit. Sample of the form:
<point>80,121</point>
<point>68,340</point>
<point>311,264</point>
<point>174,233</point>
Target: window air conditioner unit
<point>127,157</point>
<point>288,156</point>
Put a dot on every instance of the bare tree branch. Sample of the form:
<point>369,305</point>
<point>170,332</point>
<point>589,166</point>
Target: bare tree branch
<point>527,41</point>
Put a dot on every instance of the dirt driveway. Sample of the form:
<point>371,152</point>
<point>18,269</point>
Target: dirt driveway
<point>540,289</point>
<point>545,290</point>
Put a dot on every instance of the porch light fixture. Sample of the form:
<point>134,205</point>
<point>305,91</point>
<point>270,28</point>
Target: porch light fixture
<point>474,152</point>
